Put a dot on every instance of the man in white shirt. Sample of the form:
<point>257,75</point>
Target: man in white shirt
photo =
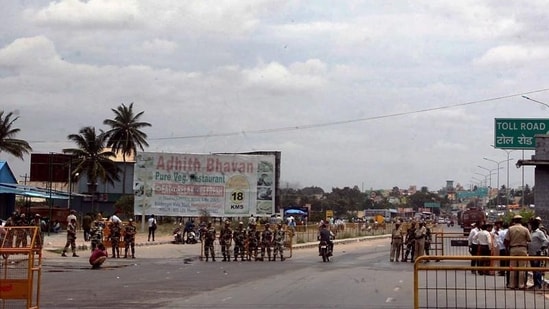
<point>500,229</point>
<point>484,241</point>
<point>473,244</point>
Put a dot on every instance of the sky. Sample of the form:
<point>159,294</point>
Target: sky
<point>374,94</point>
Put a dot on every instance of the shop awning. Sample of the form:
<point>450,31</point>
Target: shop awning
<point>17,189</point>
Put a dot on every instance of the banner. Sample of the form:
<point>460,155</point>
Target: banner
<point>224,185</point>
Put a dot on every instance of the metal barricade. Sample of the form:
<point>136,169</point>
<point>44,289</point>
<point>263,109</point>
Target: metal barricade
<point>451,244</point>
<point>20,266</point>
<point>454,283</point>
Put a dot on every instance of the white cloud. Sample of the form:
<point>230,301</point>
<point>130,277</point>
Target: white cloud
<point>513,54</point>
<point>158,46</point>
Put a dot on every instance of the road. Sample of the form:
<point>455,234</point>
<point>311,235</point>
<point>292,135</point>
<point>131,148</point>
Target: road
<point>170,276</point>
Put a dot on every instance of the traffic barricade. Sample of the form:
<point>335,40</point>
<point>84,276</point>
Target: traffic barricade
<point>454,283</point>
<point>444,243</point>
<point>20,266</point>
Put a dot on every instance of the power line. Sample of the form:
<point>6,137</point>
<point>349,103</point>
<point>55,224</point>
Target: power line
<point>333,123</point>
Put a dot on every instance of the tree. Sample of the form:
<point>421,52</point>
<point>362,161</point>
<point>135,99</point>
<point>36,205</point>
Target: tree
<point>8,142</point>
<point>91,158</point>
<point>125,135</point>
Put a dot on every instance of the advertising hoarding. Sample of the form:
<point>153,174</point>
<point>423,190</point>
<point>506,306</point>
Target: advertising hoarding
<point>224,185</point>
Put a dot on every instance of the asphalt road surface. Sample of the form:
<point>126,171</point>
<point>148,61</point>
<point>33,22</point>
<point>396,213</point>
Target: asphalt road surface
<point>171,276</point>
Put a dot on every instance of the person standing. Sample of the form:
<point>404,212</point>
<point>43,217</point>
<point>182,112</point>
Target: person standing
<point>239,237</point>
<point>266,242</point>
<point>500,230</point>
<point>279,242</point>
<point>420,234</point>
<point>225,239</point>
<point>152,227</point>
<point>86,226</point>
<point>473,244</point>
<point>517,240</point>
<point>410,242</point>
<point>115,239</point>
<point>209,238</point>
<point>484,241</point>
<point>71,238</point>
<point>129,239</point>
<point>252,239</point>
<point>96,235</point>
<point>538,244</point>
<point>98,256</point>
<point>72,215</point>
<point>396,242</point>
<point>41,225</point>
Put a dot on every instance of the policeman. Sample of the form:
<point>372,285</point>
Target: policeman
<point>96,235</point>
<point>115,239</point>
<point>252,238</point>
<point>225,239</point>
<point>209,238</point>
<point>410,243</point>
<point>266,242</point>
<point>396,242</point>
<point>279,237</point>
<point>71,238</point>
<point>129,239</point>
<point>238,236</point>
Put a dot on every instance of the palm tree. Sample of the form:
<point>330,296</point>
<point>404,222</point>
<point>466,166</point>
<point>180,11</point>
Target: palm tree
<point>125,135</point>
<point>90,157</point>
<point>8,143</point>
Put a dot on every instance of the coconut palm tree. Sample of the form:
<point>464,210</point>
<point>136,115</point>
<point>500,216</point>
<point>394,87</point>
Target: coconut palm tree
<point>8,143</point>
<point>125,135</point>
<point>91,158</point>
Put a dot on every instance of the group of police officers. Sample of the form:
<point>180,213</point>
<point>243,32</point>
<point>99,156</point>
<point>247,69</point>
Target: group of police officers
<point>249,242</point>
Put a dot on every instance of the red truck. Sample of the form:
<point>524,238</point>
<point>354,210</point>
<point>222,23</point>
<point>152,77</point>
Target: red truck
<point>472,215</point>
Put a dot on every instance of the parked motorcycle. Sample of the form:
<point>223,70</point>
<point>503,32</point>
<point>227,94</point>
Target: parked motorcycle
<point>191,237</point>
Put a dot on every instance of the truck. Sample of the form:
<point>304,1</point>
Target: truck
<point>472,215</point>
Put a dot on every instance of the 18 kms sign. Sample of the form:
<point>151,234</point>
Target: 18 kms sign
<point>517,133</point>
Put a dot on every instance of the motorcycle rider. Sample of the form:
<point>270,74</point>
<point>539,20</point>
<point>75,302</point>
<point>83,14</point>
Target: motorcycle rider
<point>325,235</point>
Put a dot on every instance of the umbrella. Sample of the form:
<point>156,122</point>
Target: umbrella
<point>295,212</point>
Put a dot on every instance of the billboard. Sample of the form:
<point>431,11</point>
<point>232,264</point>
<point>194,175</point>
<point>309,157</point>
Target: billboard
<point>50,167</point>
<point>224,185</point>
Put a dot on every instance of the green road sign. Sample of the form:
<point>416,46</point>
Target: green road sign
<point>516,133</point>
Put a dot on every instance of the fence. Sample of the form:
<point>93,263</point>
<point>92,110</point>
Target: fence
<point>20,266</point>
<point>449,243</point>
<point>450,283</point>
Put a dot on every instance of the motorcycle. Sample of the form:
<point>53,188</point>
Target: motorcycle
<point>178,235</point>
<point>451,224</point>
<point>191,237</point>
<point>324,251</point>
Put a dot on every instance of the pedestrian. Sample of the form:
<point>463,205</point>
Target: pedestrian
<point>114,218</point>
<point>410,242</point>
<point>129,239</point>
<point>71,238</point>
<point>72,215</point>
<point>225,240</point>
<point>239,237</point>
<point>535,248</point>
<point>152,227</point>
<point>98,256</point>
<point>517,240</point>
<point>114,236</point>
<point>208,233</point>
<point>279,237</point>
<point>484,241</point>
<point>500,229</point>
<point>420,234</point>
<point>86,226</point>
<point>473,244</point>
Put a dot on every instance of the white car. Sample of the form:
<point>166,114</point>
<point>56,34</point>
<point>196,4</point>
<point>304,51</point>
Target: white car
<point>441,221</point>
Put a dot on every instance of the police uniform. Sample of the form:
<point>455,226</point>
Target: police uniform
<point>96,235</point>
<point>115,239</point>
<point>209,238</point>
<point>225,239</point>
<point>252,239</point>
<point>71,238</point>
<point>396,243</point>
<point>517,239</point>
<point>279,242</point>
<point>266,242</point>
<point>129,239</point>
<point>239,237</point>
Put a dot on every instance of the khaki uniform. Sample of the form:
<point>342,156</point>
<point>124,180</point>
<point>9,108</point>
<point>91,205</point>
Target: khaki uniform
<point>518,238</point>
<point>420,233</point>
<point>396,244</point>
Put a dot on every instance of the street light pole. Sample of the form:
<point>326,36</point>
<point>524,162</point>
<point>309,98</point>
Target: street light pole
<point>491,171</point>
<point>497,163</point>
